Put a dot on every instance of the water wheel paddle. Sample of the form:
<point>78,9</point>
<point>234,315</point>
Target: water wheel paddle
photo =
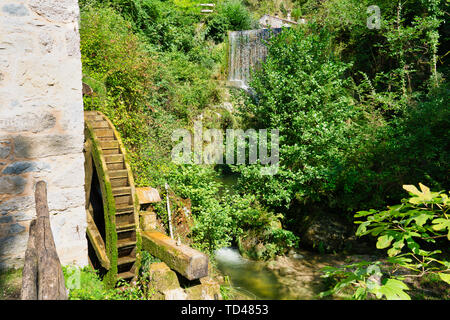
<point>112,207</point>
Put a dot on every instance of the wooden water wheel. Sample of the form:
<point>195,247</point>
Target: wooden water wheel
<point>112,207</point>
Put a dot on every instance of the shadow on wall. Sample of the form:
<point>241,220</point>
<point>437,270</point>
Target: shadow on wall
<point>15,202</point>
<point>23,161</point>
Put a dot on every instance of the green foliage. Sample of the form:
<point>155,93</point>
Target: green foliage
<point>412,232</point>
<point>218,25</point>
<point>86,284</point>
<point>236,13</point>
<point>363,278</point>
<point>221,218</point>
<point>415,226</point>
<point>302,91</point>
<point>356,107</point>
<point>143,78</point>
<point>230,15</point>
<point>10,283</point>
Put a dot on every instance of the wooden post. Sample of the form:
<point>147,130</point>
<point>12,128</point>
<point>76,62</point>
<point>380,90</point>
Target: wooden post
<point>30,269</point>
<point>168,211</point>
<point>49,283</point>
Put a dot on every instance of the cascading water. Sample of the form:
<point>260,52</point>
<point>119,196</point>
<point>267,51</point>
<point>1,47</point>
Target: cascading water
<point>247,49</point>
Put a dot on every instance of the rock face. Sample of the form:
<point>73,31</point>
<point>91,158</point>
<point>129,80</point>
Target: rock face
<point>325,232</point>
<point>41,126</point>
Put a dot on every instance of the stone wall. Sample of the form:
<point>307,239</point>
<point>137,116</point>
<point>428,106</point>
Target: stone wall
<point>268,21</point>
<point>41,126</point>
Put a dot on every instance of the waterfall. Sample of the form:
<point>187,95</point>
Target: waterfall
<point>247,50</point>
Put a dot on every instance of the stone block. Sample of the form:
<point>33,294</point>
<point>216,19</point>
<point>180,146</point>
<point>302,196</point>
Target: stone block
<point>60,199</point>
<point>5,147</point>
<point>16,43</point>
<point>12,184</point>
<point>164,283</point>
<point>35,122</point>
<point>162,278</point>
<point>29,147</point>
<point>175,294</point>
<point>16,204</point>
<point>7,219</point>
<point>205,291</point>
<point>16,10</point>
<point>21,167</point>
<point>14,245</point>
<point>56,11</point>
<point>46,42</point>
<point>148,220</point>
<point>73,43</point>
<point>15,228</point>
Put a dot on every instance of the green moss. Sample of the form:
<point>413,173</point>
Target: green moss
<point>109,209</point>
<point>138,234</point>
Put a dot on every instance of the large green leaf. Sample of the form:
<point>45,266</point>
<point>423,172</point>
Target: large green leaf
<point>422,219</point>
<point>445,277</point>
<point>384,241</point>
<point>393,289</point>
<point>442,224</point>
<point>420,196</point>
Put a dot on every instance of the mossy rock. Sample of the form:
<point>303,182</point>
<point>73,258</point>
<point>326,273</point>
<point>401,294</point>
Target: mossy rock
<point>162,278</point>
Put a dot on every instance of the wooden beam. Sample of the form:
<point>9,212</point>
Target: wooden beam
<point>88,169</point>
<point>96,240</point>
<point>189,262</point>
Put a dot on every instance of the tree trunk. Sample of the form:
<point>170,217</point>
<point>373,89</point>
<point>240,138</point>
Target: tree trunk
<point>49,283</point>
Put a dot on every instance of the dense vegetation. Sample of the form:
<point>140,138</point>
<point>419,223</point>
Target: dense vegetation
<point>156,66</point>
<point>361,111</point>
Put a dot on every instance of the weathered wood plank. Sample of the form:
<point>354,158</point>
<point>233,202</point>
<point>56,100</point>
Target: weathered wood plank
<point>88,169</point>
<point>50,285</point>
<point>97,241</point>
<point>189,262</point>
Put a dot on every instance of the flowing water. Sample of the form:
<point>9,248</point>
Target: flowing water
<point>249,277</point>
<point>247,49</point>
<point>293,277</point>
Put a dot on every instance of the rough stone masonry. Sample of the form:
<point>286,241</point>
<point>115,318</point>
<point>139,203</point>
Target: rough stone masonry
<point>41,126</point>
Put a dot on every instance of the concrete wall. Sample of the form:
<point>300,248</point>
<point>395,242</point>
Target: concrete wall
<point>41,126</point>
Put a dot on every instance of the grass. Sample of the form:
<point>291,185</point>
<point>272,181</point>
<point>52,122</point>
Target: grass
<point>10,284</point>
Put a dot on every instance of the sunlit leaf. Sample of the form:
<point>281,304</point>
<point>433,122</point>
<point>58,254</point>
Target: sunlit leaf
<point>384,241</point>
<point>393,289</point>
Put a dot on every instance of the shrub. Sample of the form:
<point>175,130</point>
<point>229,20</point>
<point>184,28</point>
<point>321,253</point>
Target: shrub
<point>413,232</point>
<point>236,13</point>
<point>218,25</point>
<point>302,90</point>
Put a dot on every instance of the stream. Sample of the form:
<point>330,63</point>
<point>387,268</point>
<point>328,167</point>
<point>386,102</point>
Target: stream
<point>293,277</point>
<point>250,277</point>
<point>296,276</point>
